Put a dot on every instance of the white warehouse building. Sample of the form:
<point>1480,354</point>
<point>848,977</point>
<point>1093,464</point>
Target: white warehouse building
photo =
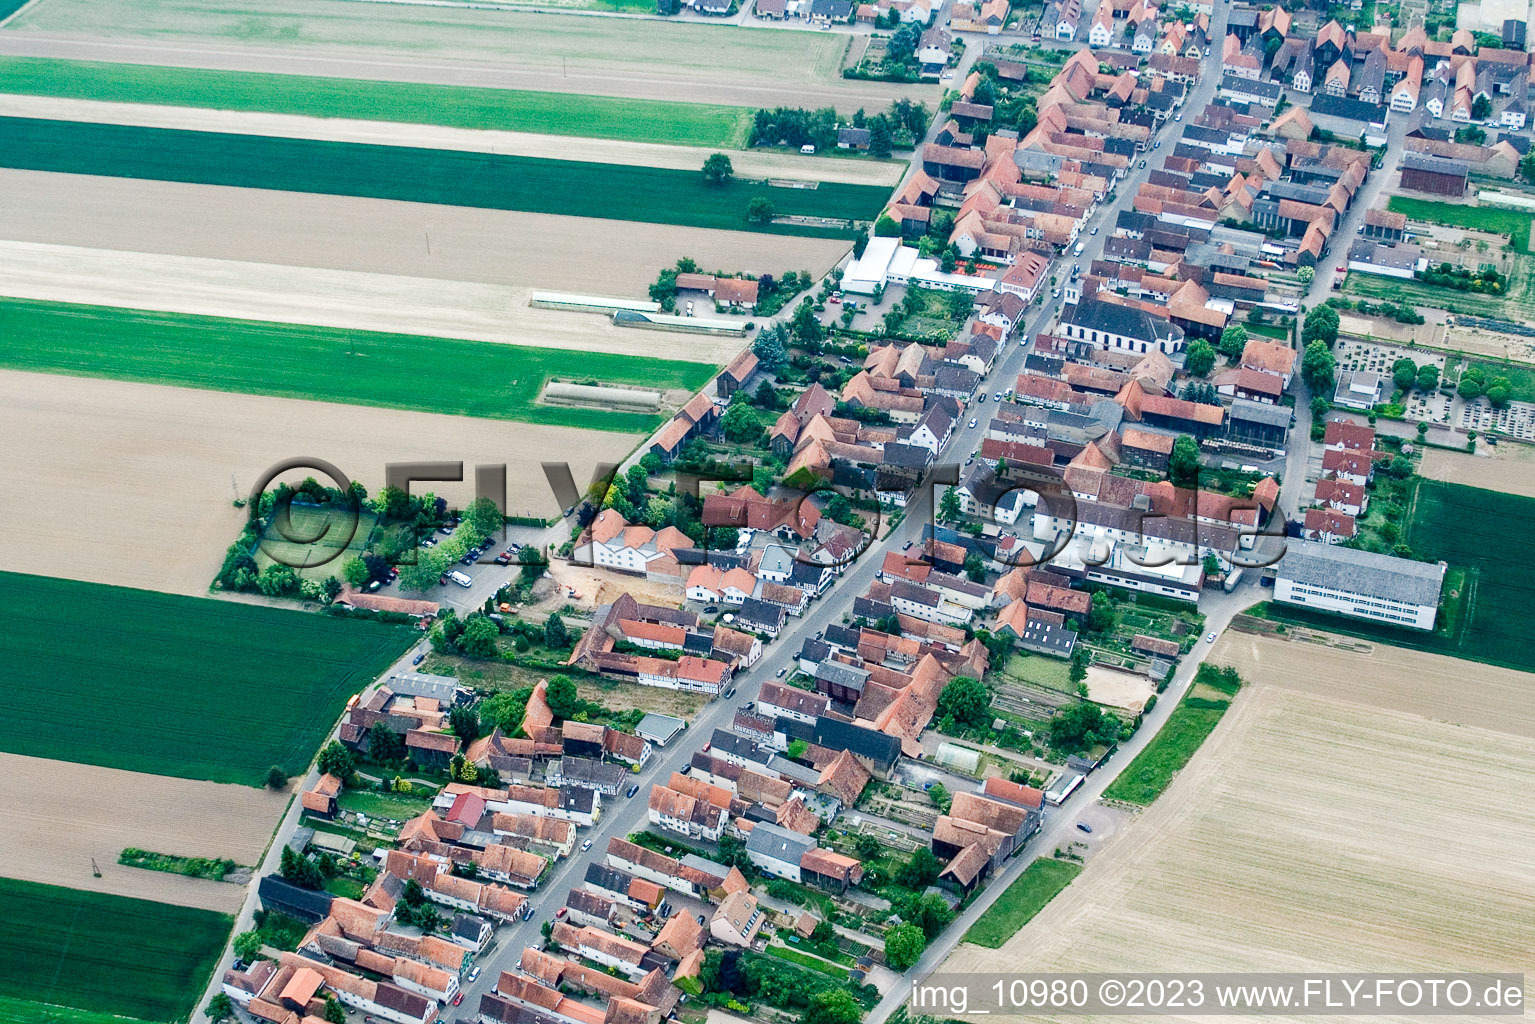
<point>1359,584</point>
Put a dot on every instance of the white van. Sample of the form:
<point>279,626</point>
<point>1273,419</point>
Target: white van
<point>1078,250</point>
<point>462,579</point>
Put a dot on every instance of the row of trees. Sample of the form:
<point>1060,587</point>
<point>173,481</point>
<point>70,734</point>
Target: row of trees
<point>796,127</point>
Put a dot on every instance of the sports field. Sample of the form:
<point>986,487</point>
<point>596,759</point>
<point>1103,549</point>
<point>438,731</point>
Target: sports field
<point>450,177</point>
<point>323,555</point>
<point>190,687</point>
<point>324,364</point>
<point>106,953</point>
<point>546,113</point>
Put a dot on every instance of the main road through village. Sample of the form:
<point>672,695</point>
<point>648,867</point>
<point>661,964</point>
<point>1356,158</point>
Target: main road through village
<point>622,816</point>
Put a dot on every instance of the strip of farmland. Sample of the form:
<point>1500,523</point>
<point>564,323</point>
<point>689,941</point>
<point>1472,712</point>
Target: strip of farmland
<point>454,178</point>
<point>516,110</point>
<point>106,675</point>
<point>108,954</point>
<point>327,364</point>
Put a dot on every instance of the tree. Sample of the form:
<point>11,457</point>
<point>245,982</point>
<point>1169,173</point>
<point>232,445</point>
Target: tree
<point>505,711</point>
<point>423,576</point>
<point>276,580</point>
<point>300,870</point>
<point>1321,325</point>
<point>336,760</point>
<point>887,227</point>
<point>556,636</point>
<point>938,793</point>
<point>833,1006</point>
<point>355,572</point>
<point>732,852</point>
<point>975,569</point>
<point>276,778</point>
<point>770,348</point>
<point>760,210</point>
<point>949,259</point>
<point>904,945</point>
<point>1233,341</point>
<point>806,325</point>
<point>465,724</point>
<point>867,846</point>
<point>1199,358</point>
<point>483,519</point>
<point>220,1007</point>
<point>718,169</point>
<point>1481,108</point>
<point>1101,617</point>
<point>1183,463</point>
<point>1080,659</point>
<point>949,509</point>
<point>335,1013</point>
<point>1499,392</point>
<point>1305,275</point>
<point>1318,367</point>
<point>740,423</point>
<point>479,638</point>
<point>384,744</point>
<point>966,700</point>
<point>563,699</point>
<point>1211,565</point>
<point>1078,726</point>
<point>1428,377</point>
<point>1320,404</point>
<point>920,870</point>
<point>247,946</point>
<point>879,138</point>
<point>1473,384</point>
<point>1404,372</point>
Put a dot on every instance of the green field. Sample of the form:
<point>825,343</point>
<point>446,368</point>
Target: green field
<point>449,177</point>
<point>24,1011</point>
<point>102,953</point>
<point>8,8</point>
<point>1521,377</point>
<point>1195,717</point>
<point>547,113</point>
<point>1037,668</point>
<point>1479,218</point>
<point>184,686</point>
<point>398,371</point>
<point>1040,882</point>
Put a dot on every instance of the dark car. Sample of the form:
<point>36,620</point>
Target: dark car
<point>1084,826</point>
<point>442,581</point>
<point>633,790</point>
<point>730,691</point>
<point>418,659</point>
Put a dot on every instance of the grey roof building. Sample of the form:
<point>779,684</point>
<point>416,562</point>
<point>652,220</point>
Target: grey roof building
<point>1359,584</point>
<point>776,850</point>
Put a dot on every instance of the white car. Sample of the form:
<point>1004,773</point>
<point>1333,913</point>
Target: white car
<point>587,845</point>
<point>972,423</point>
<point>1210,638</point>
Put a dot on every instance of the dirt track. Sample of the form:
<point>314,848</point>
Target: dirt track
<point>760,164</point>
<point>1310,834</point>
<point>153,469</point>
<point>78,812</point>
<point>380,236</point>
<point>332,298</point>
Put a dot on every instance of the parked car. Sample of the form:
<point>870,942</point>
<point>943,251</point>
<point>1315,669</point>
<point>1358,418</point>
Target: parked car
<point>442,580</point>
<point>1143,165</point>
<point>972,424</point>
<point>504,558</point>
<point>1084,826</point>
<point>561,913</point>
<point>462,579</point>
<point>1210,638</point>
<point>418,659</point>
<point>781,672</point>
<point>458,999</point>
<point>1095,229</point>
<point>730,691</point>
<point>586,844</point>
<point>632,790</point>
<point>474,975</point>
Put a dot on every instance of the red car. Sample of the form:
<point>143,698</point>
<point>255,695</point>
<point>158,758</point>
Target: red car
<point>560,913</point>
<point>458,999</point>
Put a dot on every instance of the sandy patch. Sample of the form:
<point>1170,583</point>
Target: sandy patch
<point>1508,467</point>
<point>381,236</point>
<point>1128,690</point>
<point>77,812</point>
<point>392,133</point>
<point>330,298</point>
<point>154,469</point>
<point>599,586</point>
<point>1388,678</point>
<point>1310,835</point>
<point>647,59</point>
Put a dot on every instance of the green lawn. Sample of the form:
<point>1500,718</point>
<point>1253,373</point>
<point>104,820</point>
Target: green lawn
<point>24,1011</point>
<point>1037,668</point>
<point>1195,717</point>
<point>105,954</point>
<point>319,559</point>
<point>453,178</point>
<point>814,963</point>
<point>399,806</point>
<point>183,686</point>
<point>399,371</point>
<point>1479,218</point>
<point>547,113</point>
<point>1027,896</point>
<point>1521,377</point>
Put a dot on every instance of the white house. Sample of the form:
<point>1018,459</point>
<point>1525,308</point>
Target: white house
<point>611,543</point>
<point>1360,584</point>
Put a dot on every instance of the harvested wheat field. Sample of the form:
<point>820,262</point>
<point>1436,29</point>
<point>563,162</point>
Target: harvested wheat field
<point>748,164</point>
<point>640,58</point>
<point>1509,467</point>
<point>381,236</point>
<point>154,469</point>
<point>1437,687</point>
<point>1311,834</point>
<point>331,298</point>
<point>79,812</point>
